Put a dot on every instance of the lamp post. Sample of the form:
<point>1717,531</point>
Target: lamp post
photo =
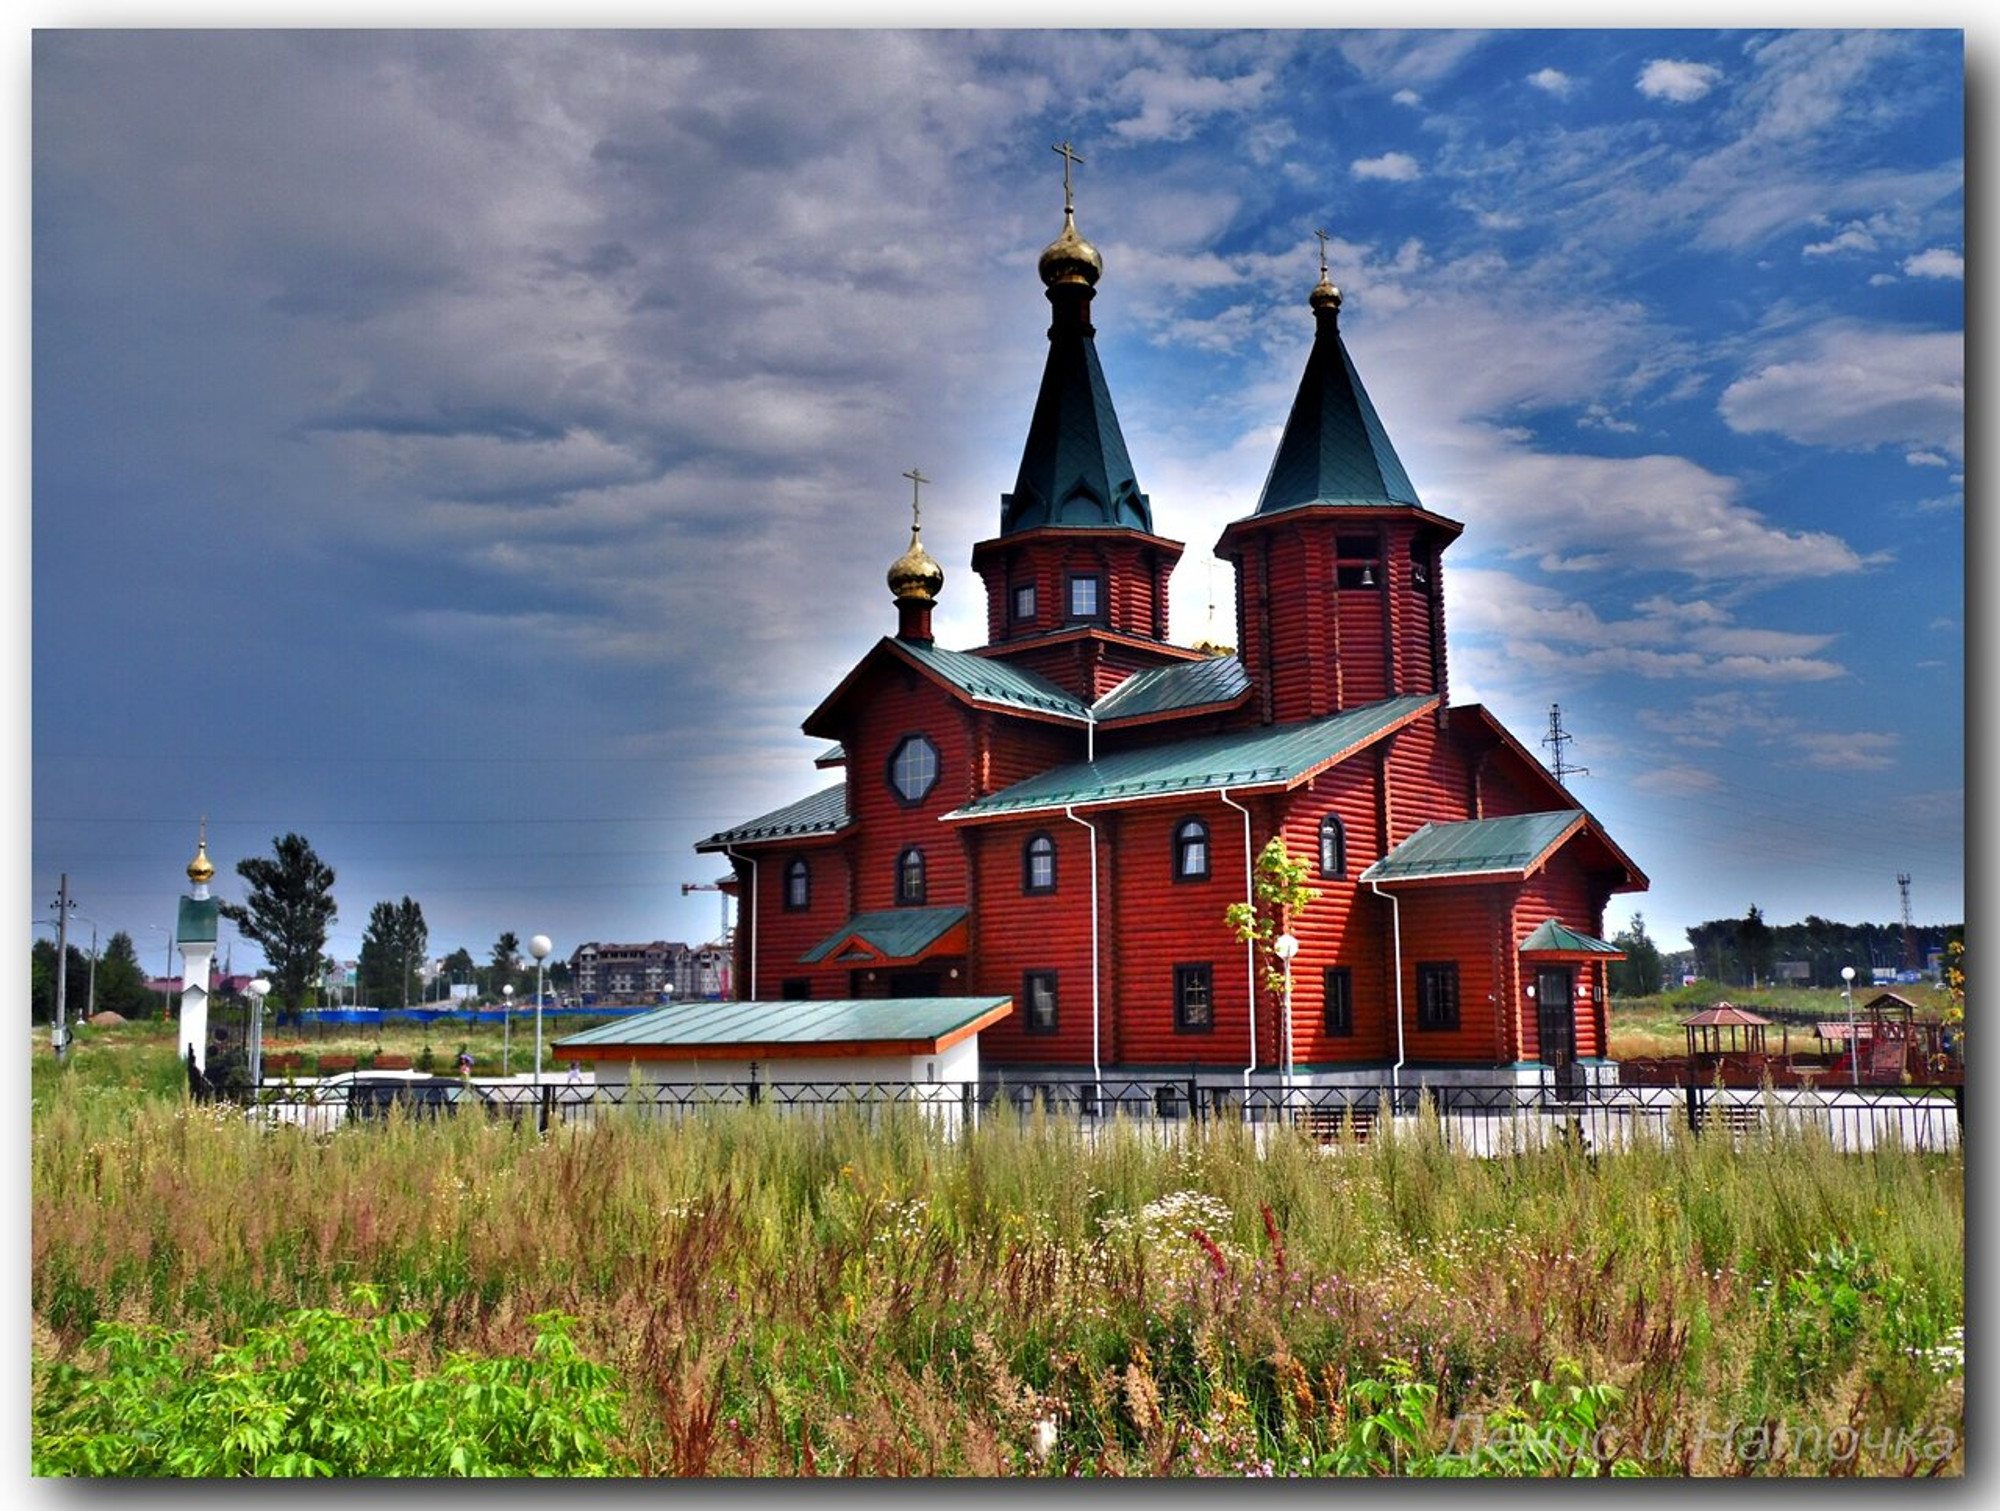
<point>1853,1044</point>
<point>506,1030</point>
<point>539,947</point>
<point>258,989</point>
<point>1285,946</point>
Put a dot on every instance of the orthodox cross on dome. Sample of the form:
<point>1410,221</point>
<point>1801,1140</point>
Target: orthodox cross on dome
<point>1324,238</point>
<point>1069,157</point>
<point>917,481</point>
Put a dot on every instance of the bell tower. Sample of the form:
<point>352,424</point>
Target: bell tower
<point>1076,581</point>
<point>1339,592</point>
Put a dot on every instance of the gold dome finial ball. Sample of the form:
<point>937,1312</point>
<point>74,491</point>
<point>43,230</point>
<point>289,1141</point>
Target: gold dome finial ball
<point>1070,259</point>
<point>201,869</point>
<point>1324,295</point>
<point>915,574</point>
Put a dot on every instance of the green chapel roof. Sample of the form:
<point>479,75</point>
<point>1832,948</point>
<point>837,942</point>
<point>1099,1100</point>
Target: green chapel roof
<point>1476,847</point>
<point>1277,755</point>
<point>825,812</point>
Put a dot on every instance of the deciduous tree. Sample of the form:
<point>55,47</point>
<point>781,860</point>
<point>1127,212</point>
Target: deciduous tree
<point>286,910</point>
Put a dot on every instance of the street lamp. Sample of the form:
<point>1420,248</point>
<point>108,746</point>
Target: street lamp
<point>258,990</point>
<point>1285,946</point>
<point>506,1030</point>
<point>539,947</point>
<point>1853,1044</point>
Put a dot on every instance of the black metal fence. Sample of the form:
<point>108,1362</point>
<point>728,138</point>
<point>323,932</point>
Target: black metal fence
<point>1488,1119</point>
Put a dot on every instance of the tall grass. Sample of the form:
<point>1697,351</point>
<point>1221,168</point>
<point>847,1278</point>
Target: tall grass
<point>861,1293</point>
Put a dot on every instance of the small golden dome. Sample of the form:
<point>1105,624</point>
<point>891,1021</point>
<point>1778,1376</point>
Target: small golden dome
<point>201,870</point>
<point>1324,295</point>
<point>1069,258</point>
<point>915,574</point>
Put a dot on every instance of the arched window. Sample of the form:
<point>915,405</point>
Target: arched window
<point>910,877</point>
<point>1038,864</point>
<point>798,885</point>
<point>1191,851</point>
<point>1332,847</point>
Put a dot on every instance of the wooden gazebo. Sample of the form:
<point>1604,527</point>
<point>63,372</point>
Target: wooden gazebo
<point>1705,1032</point>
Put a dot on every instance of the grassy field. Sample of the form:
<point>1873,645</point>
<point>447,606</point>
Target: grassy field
<point>752,1295</point>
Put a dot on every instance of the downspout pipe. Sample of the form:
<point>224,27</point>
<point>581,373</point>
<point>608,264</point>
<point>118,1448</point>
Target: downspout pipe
<point>1396,929</point>
<point>755,912</point>
<point>1096,977</point>
<point>1249,945</point>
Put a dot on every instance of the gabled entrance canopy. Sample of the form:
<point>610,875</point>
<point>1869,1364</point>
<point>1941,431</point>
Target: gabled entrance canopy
<point>1554,941</point>
<point>894,936</point>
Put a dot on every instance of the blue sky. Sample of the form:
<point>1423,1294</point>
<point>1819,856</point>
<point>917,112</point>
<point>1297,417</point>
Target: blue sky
<point>477,452</point>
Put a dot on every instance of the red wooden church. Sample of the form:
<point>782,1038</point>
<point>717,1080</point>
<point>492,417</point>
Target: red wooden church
<point>1063,814</point>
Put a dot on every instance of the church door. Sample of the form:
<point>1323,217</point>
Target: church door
<point>1555,1022</point>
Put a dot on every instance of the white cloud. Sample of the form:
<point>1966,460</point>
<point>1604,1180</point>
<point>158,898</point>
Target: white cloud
<point>1926,459</point>
<point>1514,626</point>
<point>1935,262</point>
<point>1853,239</point>
<point>1597,417</point>
<point>1853,387</point>
<point>1173,103</point>
<point>1676,781</point>
<point>1552,80</point>
<point>1408,57</point>
<point>1677,81</point>
<point>1407,97</point>
<point>1397,167</point>
<point>1859,750</point>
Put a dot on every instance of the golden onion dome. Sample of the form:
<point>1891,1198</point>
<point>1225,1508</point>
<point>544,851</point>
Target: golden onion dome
<point>915,574</point>
<point>201,870</point>
<point>1324,295</point>
<point>1069,258</point>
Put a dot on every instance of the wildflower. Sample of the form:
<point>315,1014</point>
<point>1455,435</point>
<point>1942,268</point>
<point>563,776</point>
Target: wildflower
<point>1042,1439</point>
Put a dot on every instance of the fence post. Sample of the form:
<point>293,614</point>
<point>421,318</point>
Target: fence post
<point>1194,1100</point>
<point>1694,1099</point>
<point>547,1097</point>
<point>756,1087</point>
<point>1958,1106</point>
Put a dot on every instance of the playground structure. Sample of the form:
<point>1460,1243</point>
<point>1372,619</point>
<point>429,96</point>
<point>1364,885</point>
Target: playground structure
<point>1729,1046</point>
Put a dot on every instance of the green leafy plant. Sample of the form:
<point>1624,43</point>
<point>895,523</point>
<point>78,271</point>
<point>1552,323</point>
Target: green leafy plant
<point>1278,885</point>
<point>323,1395</point>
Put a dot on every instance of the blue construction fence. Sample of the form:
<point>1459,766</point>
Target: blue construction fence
<point>375,1017</point>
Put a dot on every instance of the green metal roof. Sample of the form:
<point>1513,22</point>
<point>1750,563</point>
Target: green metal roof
<point>1334,449</point>
<point>1558,938</point>
<point>1075,471</point>
<point>777,1024</point>
<point>195,921</point>
<point>1169,689</point>
<point>893,933</point>
<point>825,812</point>
<point>1274,756</point>
<point>986,680</point>
<point>1477,847</point>
<point>833,755</point>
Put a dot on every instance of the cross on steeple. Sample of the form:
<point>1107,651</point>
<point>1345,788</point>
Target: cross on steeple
<point>1069,157</point>
<point>1323,240</point>
<point>917,481</point>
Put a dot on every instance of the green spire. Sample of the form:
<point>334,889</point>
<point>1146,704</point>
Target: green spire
<point>1075,472</point>
<point>1334,450</point>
